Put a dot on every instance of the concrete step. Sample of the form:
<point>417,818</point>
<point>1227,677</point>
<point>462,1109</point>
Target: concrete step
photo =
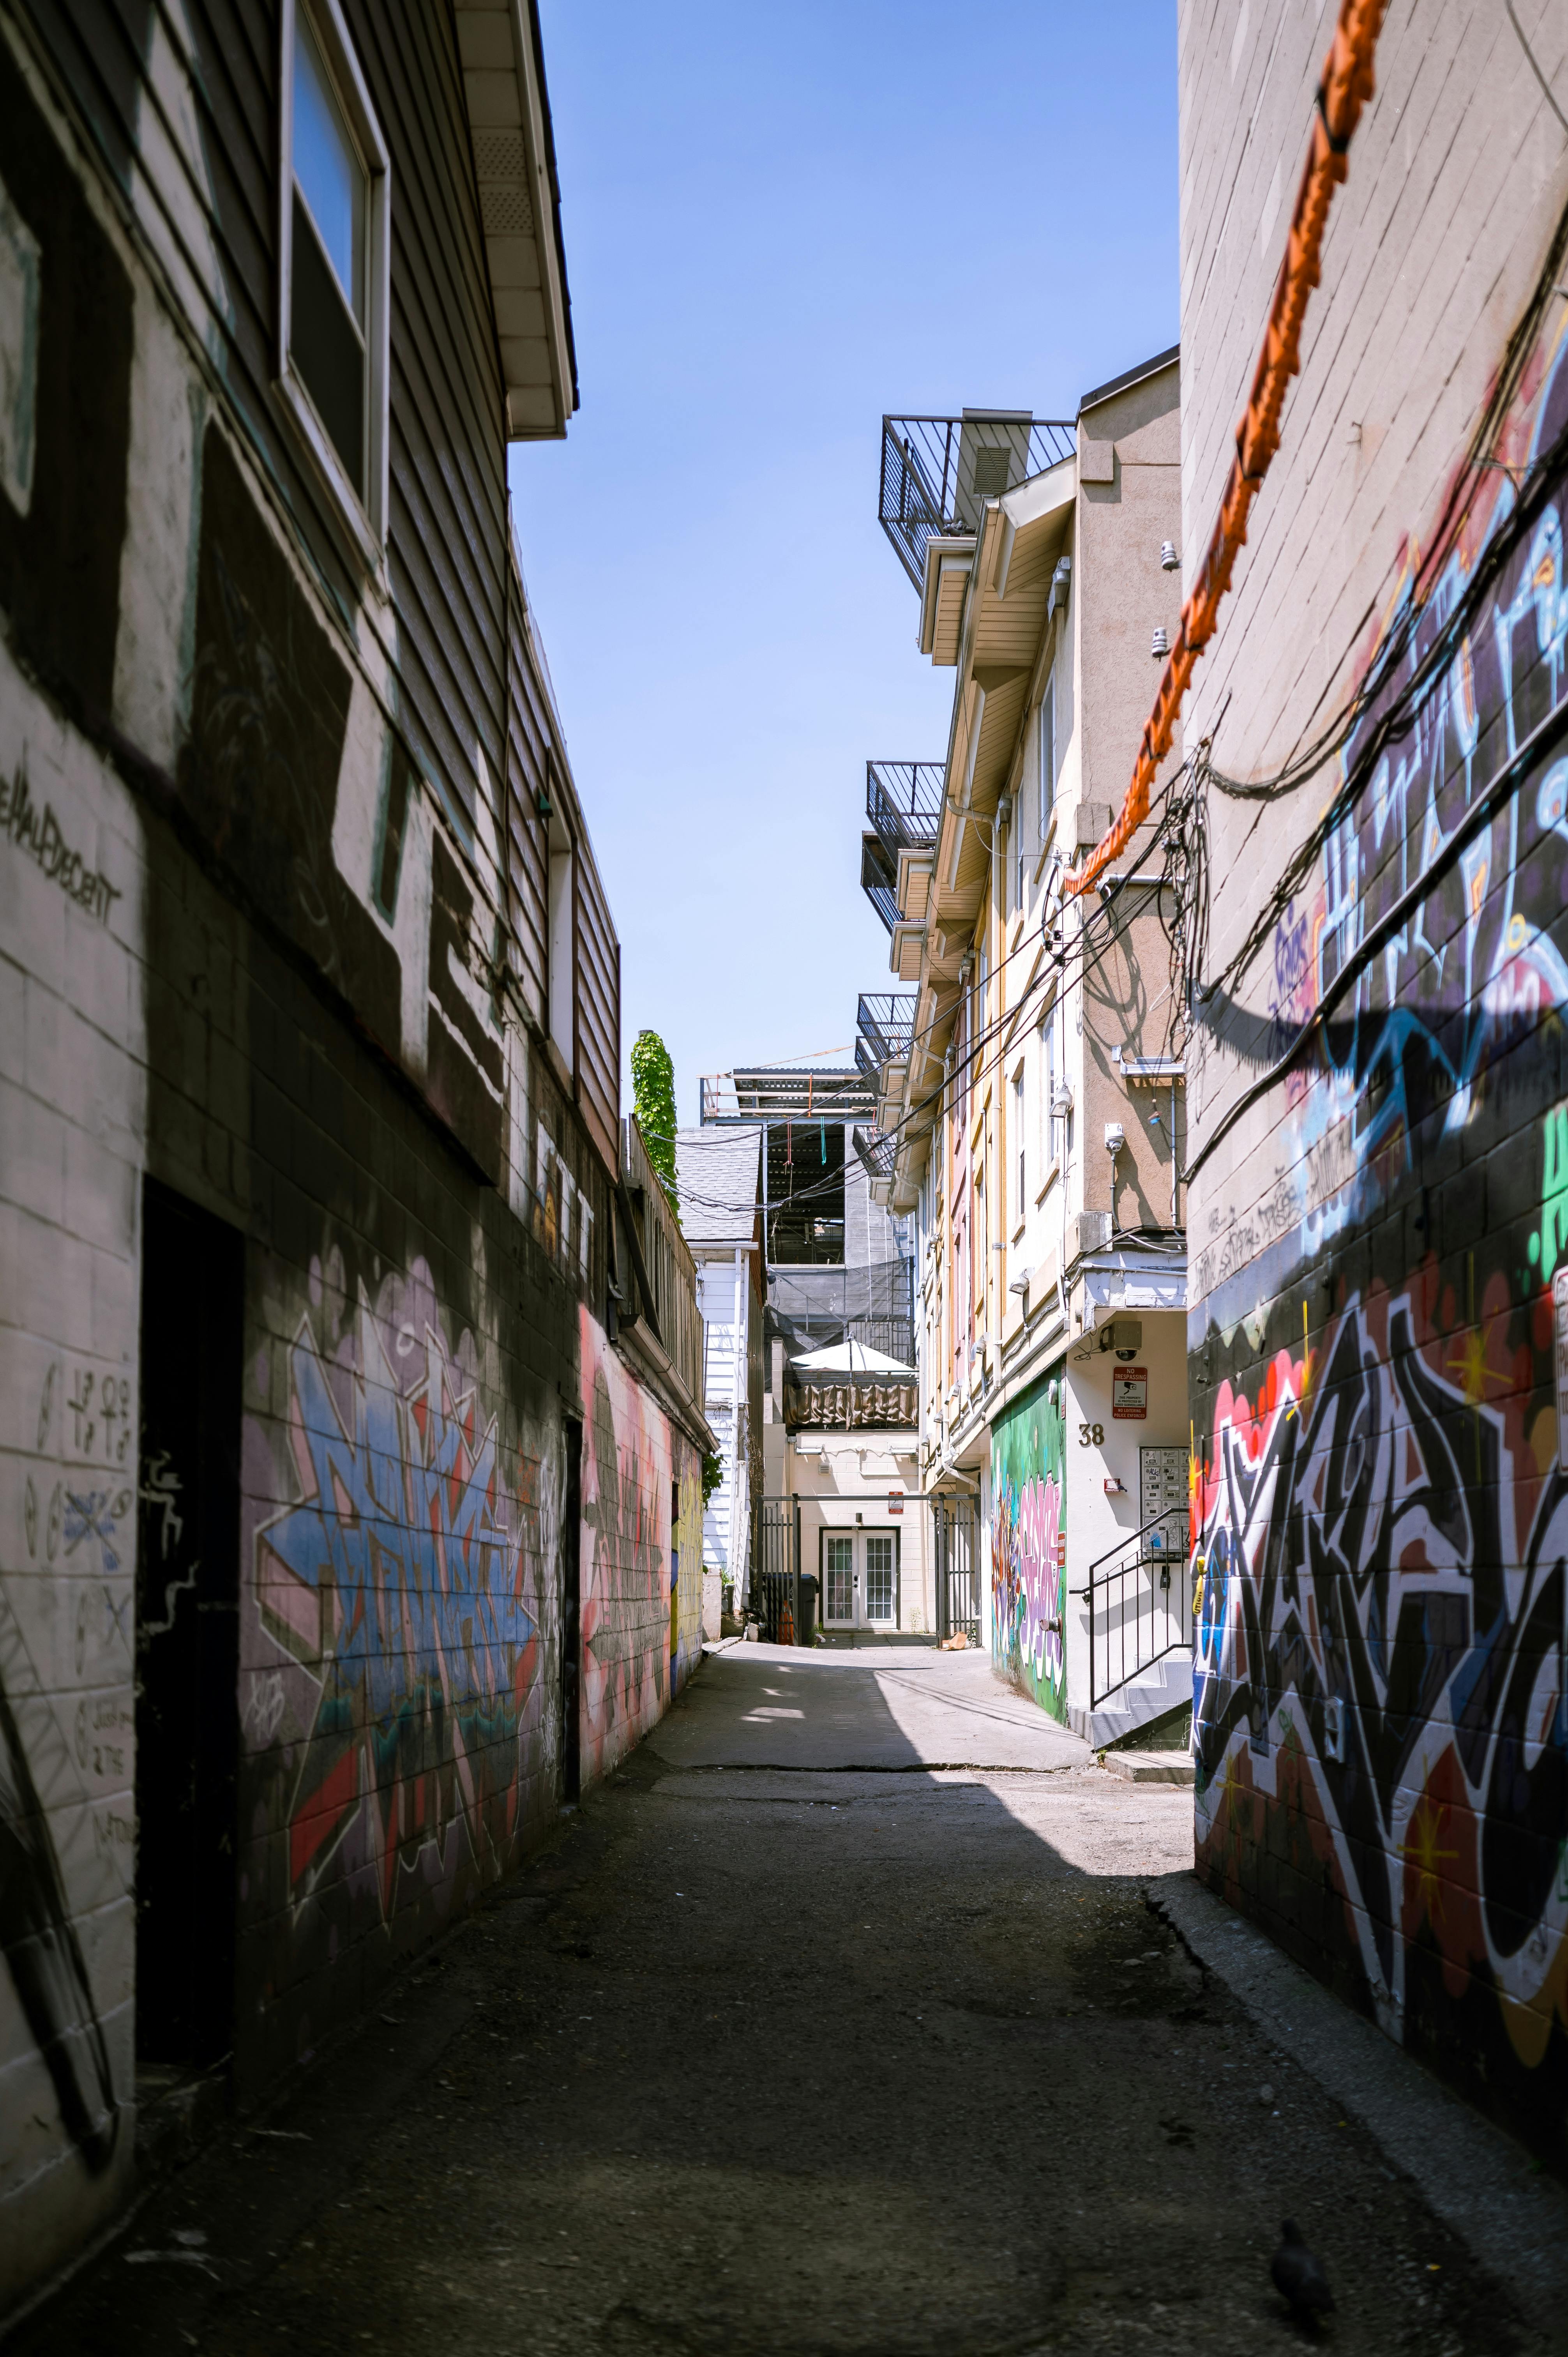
<point>1165,1685</point>
<point>1149,1767</point>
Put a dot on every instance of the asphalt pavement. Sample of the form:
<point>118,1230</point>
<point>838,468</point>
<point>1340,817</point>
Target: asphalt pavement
<point>838,2021</point>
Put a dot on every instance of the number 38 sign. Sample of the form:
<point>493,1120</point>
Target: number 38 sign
<point>1128,1394</point>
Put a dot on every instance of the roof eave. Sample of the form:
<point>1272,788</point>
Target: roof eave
<point>513,147</point>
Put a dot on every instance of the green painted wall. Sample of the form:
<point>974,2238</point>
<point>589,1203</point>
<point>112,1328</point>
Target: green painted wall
<point>1028,1517</point>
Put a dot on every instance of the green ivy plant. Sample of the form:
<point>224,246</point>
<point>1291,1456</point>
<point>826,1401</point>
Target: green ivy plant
<point>653,1102</point>
<point>712,1474</point>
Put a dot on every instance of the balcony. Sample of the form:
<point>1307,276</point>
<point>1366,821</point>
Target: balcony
<point>939,472</point>
<point>904,804</point>
<point>876,1151</point>
<point>885,1025</point>
<point>807,1308</point>
<point>785,1092</point>
<point>880,880</point>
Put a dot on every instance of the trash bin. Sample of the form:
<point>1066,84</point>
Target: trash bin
<point>810,1587</point>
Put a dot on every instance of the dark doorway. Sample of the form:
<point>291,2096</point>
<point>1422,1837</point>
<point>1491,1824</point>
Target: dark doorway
<point>188,1626</point>
<point>572,1617</point>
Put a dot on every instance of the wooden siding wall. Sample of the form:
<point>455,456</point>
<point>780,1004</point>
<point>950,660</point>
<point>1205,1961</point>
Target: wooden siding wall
<point>447,494</point>
<point>452,661</point>
<point>667,1256</point>
<point>537,762</point>
<point>531,769</point>
<point>599,1008</point>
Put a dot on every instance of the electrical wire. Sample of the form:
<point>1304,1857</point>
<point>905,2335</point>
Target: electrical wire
<point>1481,457</point>
<point>1345,85</point>
<point>1395,722</point>
<point>1056,977</point>
<point>1481,813</point>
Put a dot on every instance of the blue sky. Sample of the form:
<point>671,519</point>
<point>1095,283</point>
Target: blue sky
<point>780,222</point>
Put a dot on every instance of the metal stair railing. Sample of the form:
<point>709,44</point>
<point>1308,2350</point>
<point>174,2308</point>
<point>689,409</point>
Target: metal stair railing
<point>1139,1608</point>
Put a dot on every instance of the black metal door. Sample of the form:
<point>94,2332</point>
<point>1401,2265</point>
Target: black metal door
<point>956,1541</point>
<point>774,1574</point>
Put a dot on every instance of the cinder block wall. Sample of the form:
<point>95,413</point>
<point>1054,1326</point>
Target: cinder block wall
<point>1381,1514</point>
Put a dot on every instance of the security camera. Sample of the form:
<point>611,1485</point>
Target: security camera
<point>1115,1139</point>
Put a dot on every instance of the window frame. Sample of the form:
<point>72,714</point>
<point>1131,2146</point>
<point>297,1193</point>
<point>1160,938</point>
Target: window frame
<point>1024,853</point>
<point>1021,1148</point>
<point>1046,756</point>
<point>363,515</point>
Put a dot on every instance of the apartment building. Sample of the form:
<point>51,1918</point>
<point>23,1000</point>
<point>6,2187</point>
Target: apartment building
<point>1030,1113</point>
<point>719,1184</point>
<point>345,1475</point>
<point>837,1394</point>
<point>1380,1124</point>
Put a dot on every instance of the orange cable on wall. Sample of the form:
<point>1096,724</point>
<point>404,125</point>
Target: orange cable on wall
<point>1346,86</point>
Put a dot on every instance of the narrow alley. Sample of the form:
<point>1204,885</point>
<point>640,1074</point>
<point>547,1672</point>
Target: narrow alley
<point>836,2019</point>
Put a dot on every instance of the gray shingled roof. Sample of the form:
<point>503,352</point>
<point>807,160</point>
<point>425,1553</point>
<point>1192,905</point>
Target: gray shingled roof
<point>717,1173</point>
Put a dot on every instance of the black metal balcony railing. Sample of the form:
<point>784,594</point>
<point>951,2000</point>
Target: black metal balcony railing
<point>937,472</point>
<point>875,1153</point>
<point>904,804</point>
<point>880,880</point>
<point>885,1026</point>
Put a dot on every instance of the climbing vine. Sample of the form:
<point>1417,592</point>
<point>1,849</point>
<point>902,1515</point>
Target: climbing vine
<point>653,1102</point>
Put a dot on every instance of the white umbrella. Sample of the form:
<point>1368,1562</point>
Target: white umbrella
<point>850,1359</point>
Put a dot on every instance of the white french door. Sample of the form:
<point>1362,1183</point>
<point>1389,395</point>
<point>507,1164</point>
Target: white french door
<point>860,1579</point>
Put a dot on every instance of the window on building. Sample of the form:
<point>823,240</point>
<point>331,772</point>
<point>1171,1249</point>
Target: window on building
<point>1025,846</point>
<point>1048,1086</point>
<point>980,1236</point>
<point>1020,1134</point>
<point>335,198</point>
<point>1047,793</point>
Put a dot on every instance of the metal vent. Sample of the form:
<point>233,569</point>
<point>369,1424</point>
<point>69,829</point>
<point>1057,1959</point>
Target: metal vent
<point>505,211</point>
<point>990,468</point>
<point>500,156</point>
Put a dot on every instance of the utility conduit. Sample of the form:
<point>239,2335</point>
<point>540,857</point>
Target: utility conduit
<point>1346,86</point>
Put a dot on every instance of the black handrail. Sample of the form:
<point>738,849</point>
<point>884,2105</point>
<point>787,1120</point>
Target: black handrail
<point>1163,1607</point>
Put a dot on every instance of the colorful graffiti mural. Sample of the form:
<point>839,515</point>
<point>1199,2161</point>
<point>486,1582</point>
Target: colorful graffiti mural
<point>397,1584</point>
<point>1028,1520</point>
<point>1380,1520</point>
<point>626,1612</point>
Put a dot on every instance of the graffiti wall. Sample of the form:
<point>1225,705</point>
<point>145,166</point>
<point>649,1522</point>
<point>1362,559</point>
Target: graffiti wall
<point>1380,1509</point>
<point>627,1616</point>
<point>402,1539</point>
<point>1028,1518</point>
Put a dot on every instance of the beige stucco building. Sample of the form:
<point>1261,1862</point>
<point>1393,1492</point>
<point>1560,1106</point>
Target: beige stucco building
<point>1031,1112</point>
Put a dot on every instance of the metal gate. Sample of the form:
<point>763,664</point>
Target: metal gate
<point>940,1534</point>
<point>955,1531</point>
<point>776,1571</point>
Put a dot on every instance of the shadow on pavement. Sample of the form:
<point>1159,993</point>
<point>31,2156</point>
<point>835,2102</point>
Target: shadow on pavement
<point>798,2040</point>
